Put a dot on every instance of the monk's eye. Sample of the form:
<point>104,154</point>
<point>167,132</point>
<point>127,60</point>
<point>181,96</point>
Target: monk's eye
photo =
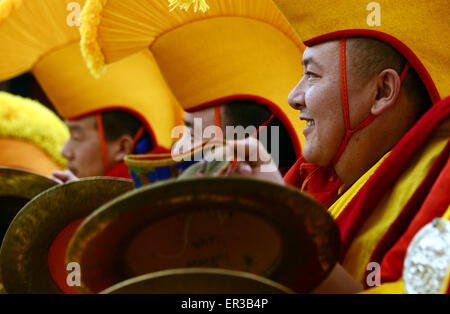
<point>75,136</point>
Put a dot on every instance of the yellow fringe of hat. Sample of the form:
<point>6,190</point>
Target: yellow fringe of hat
<point>97,55</point>
<point>41,36</point>
<point>28,120</point>
<point>89,47</point>
<point>186,4</point>
<point>237,49</point>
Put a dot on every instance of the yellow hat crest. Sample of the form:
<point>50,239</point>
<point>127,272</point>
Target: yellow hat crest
<point>186,4</point>
<point>236,49</point>
<point>37,36</point>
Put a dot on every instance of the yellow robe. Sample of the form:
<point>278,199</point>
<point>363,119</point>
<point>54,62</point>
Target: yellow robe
<point>366,240</point>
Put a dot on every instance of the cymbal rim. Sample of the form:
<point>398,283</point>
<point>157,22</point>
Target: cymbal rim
<point>23,254</point>
<point>107,213</point>
<point>191,274</point>
<point>23,183</point>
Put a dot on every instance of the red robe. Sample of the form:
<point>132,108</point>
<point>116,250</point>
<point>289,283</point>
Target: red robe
<point>435,205</point>
<point>321,182</point>
<point>118,171</point>
<point>362,205</point>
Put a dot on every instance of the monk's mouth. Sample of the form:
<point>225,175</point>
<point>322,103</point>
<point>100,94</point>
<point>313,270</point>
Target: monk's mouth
<point>310,124</point>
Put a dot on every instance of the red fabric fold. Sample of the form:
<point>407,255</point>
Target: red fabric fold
<point>435,205</point>
<point>321,182</point>
<point>362,205</point>
<point>119,170</point>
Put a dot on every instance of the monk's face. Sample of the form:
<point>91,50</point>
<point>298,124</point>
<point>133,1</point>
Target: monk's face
<point>196,123</point>
<point>83,150</point>
<point>318,97</point>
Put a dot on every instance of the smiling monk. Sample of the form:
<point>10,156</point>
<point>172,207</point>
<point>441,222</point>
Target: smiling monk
<point>377,135</point>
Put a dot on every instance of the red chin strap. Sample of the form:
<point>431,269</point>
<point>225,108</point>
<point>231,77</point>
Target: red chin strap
<point>254,134</point>
<point>219,125</point>
<point>264,124</point>
<point>138,134</point>
<point>101,135</point>
<point>348,131</point>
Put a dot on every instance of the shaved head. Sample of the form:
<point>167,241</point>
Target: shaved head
<point>369,56</point>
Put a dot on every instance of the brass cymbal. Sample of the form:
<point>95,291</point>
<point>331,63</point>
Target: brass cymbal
<point>22,183</point>
<point>18,187</point>
<point>234,223</point>
<point>24,252</point>
<point>198,281</point>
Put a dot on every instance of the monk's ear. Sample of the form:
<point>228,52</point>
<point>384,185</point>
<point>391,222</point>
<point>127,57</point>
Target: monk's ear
<point>122,146</point>
<point>387,91</point>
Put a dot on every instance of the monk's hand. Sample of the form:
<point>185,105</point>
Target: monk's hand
<point>252,158</point>
<point>63,176</point>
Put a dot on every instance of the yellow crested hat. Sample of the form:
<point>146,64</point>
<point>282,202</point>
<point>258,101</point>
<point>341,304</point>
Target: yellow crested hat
<point>417,29</point>
<point>236,49</point>
<point>31,136</point>
<point>42,36</point>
